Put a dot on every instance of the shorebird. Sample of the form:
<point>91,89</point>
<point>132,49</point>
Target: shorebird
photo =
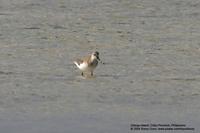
<point>88,63</point>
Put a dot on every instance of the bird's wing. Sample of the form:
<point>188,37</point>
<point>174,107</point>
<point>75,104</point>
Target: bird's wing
<point>79,61</point>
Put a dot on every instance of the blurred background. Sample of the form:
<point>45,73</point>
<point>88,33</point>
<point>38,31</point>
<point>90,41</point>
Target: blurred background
<point>151,50</point>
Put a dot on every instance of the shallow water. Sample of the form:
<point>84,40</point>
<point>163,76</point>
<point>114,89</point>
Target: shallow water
<point>151,73</point>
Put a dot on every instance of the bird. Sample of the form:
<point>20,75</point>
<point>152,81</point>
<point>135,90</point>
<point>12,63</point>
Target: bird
<point>88,63</point>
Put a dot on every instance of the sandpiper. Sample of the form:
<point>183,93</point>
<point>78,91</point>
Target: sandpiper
<point>88,63</point>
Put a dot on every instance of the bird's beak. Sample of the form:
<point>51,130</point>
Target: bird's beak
<point>98,58</point>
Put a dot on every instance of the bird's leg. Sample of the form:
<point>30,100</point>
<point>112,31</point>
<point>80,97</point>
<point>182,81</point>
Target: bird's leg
<point>91,73</point>
<point>82,74</point>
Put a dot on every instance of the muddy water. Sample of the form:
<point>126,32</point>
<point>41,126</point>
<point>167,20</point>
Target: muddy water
<point>151,73</point>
